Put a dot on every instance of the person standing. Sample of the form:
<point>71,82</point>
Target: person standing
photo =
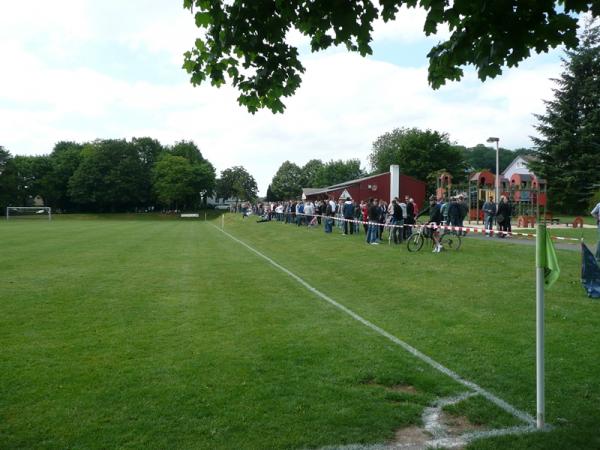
<point>373,231</point>
<point>596,214</point>
<point>364,209</point>
<point>339,214</point>
<point>454,212</point>
<point>435,219</point>
<point>489,213</point>
<point>464,210</point>
<point>357,217</point>
<point>409,219</point>
<point>402,206</point>
<point>397,222</point>
<point>329,212</point>
<point>309,211</point>
<point>319,210</point>
<point>348,216</point>
<point>445,210</point>
<point>503,216</point>
<point>300,213</point>
<point>382,214</point>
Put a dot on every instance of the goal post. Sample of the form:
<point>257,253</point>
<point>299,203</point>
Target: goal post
<point>28,212</point>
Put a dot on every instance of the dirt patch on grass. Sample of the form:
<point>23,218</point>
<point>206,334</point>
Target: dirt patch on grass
<point>458,425</point>
<point>411,438</point>
<point>406,388</point>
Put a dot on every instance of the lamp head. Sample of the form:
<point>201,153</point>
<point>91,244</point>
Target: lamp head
<point>493,139</point>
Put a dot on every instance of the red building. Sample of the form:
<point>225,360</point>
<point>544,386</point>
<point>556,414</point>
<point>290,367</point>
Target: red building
<point>383,186</point>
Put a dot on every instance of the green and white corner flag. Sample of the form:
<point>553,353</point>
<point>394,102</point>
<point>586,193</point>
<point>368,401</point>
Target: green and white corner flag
<point>546,273</point>
<point>546,257</point>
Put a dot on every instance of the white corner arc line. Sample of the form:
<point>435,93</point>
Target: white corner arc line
<point>525,417</point>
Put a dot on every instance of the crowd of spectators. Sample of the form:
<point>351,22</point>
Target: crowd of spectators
<point>375,216</point>
<point>349,216</point>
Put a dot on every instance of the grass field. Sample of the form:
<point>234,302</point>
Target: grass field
<point>119,332</point>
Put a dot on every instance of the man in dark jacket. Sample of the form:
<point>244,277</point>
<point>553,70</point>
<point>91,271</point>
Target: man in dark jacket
<point>348,213</point>
<point>454,212</point>
<point>329,218</point>
<point>409,220</point>
<point>373,231</point>
<point>397,222</point>
<point>435,218</point>
<point>503,216</point>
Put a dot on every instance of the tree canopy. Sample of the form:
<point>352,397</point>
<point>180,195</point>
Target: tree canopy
<point>108,175</point>
<point>109,178</point>
<point>176,181</point>
<point>237,183</point>
<point>8,178</point>
<point>245,41</point>
<point>316,173</point>
<point>288,181</point>
<point>421,154</point>
<point>291,178</point>
<point>568,145</point>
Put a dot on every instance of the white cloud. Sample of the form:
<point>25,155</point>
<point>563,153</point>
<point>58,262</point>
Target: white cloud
<point>406,28</point>
<point>344,104</point>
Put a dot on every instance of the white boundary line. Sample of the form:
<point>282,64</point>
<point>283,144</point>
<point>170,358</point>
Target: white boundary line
<point>525,417</point>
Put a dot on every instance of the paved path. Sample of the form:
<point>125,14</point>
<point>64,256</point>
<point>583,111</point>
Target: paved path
<point>523,241</point>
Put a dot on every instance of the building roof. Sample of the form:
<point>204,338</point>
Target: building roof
<point>526,158</point>
<point>312,191</point>
<point>358,180</point>
<point>334,187</point>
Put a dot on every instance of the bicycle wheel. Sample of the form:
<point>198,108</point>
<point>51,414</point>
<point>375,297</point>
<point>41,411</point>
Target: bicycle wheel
<point>415,242</point>
<point>450,241</point>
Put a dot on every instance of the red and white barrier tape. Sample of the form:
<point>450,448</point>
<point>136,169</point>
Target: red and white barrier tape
<point>490,232</point>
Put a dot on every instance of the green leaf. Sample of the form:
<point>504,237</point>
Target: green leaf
<point>203,19</point>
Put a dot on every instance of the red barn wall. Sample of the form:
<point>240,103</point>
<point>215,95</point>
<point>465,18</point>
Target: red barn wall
<point>379,187</point>
<point>413,188</point>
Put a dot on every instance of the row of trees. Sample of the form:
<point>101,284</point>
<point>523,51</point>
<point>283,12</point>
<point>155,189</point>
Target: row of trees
<point>420,153</point>
<point>291,178</point>
<point>118,175</point>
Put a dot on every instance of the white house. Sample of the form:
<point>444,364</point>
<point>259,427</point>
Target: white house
<point>518,165</point>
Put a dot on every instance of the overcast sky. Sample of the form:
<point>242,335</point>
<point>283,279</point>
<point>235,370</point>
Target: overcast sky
<point>81,69</point>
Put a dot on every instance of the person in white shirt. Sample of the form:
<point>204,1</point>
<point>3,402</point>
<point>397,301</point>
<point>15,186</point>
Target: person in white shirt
<point>309,211</point>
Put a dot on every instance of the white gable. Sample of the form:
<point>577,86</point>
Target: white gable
<point>345,195</point>
<point>519,165</point>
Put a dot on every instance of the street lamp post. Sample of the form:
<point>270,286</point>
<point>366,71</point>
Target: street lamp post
<point>496,140</point>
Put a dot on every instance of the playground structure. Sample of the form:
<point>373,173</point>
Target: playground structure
<point>526,193</point>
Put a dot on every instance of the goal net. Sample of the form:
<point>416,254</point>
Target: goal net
<point>28,212</point>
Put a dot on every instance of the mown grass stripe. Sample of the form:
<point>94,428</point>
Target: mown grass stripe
<point>525,417</point>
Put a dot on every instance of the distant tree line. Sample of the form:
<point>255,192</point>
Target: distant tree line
<point>291,178</point>
<point>419,153</point>
<point>113,175</point>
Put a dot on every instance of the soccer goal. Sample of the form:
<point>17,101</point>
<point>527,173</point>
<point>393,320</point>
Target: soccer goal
<point>28,212</point>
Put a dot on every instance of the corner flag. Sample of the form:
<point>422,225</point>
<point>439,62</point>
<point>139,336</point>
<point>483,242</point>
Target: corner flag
<point>551,269</point>
<point>546,273</point>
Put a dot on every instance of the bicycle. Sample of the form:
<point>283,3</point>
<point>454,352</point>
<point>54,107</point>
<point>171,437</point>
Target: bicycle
<point>449,239</point>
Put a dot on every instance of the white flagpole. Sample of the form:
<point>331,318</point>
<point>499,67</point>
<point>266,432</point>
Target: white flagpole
<point>539,321</point>
<point>222,221</point>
